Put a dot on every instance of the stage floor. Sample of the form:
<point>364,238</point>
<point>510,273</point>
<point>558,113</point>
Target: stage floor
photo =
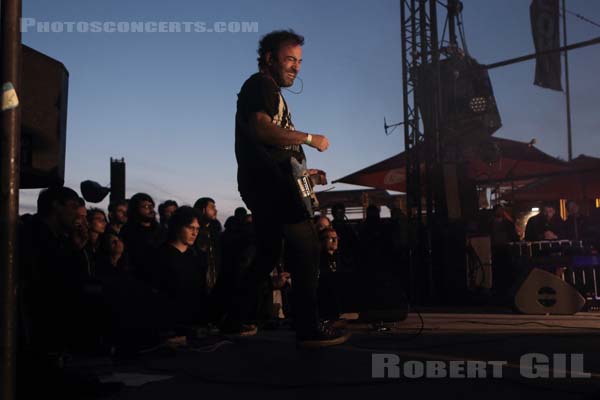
<point>270,366</point>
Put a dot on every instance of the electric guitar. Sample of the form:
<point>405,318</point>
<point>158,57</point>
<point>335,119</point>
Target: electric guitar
<point>305,182</point>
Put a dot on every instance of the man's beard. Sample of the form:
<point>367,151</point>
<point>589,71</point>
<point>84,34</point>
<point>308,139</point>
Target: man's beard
<point>280,77</point>
<point>148,218</point>
<point>285,83</point>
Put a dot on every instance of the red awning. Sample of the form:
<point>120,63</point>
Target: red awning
<point>518,161</point>
<point>582,181</point>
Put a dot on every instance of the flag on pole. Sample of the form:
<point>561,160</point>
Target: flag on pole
<point>544,16</point>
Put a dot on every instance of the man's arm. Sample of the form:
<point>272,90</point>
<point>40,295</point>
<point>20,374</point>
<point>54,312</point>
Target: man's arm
<point>271,134</point>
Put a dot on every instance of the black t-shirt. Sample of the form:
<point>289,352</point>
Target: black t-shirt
<point>264,171</point>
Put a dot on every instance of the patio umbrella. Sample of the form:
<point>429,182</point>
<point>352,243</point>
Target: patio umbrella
<point>514,161</point>
<point>580,182</point>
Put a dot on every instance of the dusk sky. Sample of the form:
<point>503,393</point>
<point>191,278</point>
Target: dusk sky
<point>166,101</point>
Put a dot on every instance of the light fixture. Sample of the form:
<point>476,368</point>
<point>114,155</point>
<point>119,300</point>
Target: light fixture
<point>478,104</point>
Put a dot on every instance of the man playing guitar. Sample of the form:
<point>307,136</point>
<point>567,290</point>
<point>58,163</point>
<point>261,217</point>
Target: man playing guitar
<point>265,144</point>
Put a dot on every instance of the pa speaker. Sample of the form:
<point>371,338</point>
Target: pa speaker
<point>468,110</point>
<point>44,87</point>
<point>544,293</point>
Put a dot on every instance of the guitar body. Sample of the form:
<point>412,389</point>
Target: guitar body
<point>305,186</point>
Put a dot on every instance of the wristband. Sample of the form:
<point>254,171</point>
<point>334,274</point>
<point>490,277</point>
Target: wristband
<point>308,139</point>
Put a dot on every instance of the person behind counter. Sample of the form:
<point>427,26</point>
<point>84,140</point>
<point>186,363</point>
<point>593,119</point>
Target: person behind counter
<point>547,225</point>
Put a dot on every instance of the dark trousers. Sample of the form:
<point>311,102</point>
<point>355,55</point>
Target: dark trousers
<point>301,260</point>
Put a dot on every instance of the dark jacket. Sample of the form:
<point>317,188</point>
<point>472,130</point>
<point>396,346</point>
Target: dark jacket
<point>179,280</point>
<point>141,244</point>
<point>537,225</point>
<point>53,273</point>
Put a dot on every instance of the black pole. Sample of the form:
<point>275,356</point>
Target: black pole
<point>452,11</point>
<point>568,90</point>
<point>531,56</point>
<point>407,148</point>
<point>10,148</point>
<point>435,192</point>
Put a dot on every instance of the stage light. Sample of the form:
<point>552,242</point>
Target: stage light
<point>478,104</point>
<point>535,209</point>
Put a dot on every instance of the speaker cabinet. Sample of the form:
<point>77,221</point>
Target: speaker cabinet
<point>544,293</point>
<point>468,110</point>
<point>44,91</point>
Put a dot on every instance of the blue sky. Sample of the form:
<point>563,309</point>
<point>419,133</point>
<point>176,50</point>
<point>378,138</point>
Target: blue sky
<point>166,101</point>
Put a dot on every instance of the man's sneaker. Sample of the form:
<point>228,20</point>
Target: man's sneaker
<point>238,330</point>
<point>337,323</point>
<point>325,335</point>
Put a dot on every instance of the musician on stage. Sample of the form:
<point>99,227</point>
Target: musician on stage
<point>265,141</point>
<point>547,225</point>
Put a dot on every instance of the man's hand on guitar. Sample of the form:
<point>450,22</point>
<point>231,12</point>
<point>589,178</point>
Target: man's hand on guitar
<point>319,142</point>
<point>317,176</point>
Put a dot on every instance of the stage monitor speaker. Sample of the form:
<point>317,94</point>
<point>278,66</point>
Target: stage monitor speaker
<point>43,97</point>
<point>544,293</point>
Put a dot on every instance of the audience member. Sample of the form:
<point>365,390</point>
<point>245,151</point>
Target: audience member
<point>207,244</point>
<point>80,231</point>
<point>547,225</point>
<point>53,272</point>
<point>321,222</point>
<point>576,225</point>
<point>97,222</point>
<point>349,243</point>
<point>240,213</point>
<point>110,257</point>
<point>328,292</point>
<point>142,235</point>
<point>117,216</point>
<point>177,275</point>
<point>165,210</point>
<point>133,314</point>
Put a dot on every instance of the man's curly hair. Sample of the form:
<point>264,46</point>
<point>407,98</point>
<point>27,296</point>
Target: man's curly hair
<point>272,42</point>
